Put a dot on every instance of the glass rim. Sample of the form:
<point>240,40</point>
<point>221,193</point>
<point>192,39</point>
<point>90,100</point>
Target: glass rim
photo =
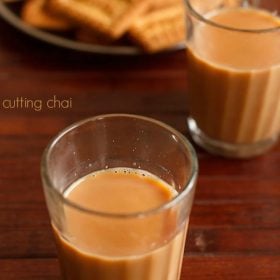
<point>190,184</point>
<point>202,18</point>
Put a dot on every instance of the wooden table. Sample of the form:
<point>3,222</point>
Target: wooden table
<point>235,223</point>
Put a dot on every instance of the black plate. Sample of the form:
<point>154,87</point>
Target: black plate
<point>11,15</point>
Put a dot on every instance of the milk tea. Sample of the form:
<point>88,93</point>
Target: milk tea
<point>105,247</point>
<point>235,76</point>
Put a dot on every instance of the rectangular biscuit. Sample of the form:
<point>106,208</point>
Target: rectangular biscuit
<point>160,29</point>
<point>34,12</point>
<point>159,4</point>
<point>110,17</point>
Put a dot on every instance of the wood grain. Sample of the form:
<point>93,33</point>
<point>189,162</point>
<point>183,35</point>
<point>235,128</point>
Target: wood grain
<point>194,267</point>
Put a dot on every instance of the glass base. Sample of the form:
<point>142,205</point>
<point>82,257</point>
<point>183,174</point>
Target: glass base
<point>225,149</point>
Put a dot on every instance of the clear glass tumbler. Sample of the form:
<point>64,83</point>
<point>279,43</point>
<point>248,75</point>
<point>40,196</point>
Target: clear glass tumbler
<point>125,141</point>
<point>233,50</point>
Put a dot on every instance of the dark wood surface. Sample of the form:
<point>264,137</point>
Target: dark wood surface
<point>235,223</point>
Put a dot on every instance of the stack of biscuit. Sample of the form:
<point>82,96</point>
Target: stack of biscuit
<point>153,25</point>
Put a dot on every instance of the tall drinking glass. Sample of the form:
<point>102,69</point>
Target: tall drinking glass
<point>119,190</point>
<point>233,50</point>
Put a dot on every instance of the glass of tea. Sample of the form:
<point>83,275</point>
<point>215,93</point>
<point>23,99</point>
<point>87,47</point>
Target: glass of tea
<point>119,189</point>
<point>233,50</point>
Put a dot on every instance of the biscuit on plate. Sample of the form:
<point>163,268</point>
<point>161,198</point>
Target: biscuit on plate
<point>34,13</point>
<point>158,4</point>
<point>110,17</point>
<point>160,29</point>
